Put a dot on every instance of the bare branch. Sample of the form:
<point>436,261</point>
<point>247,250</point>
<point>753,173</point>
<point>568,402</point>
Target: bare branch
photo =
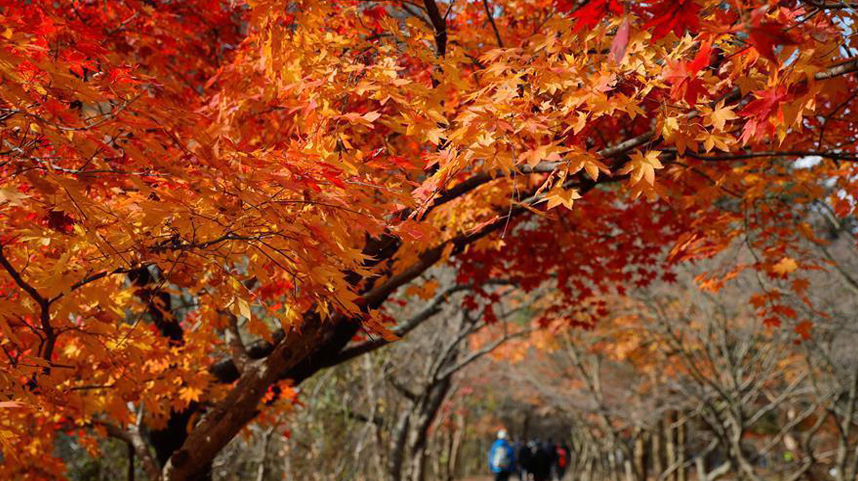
<point>134,439</point>
<point>482,352</point>
<point>408,393</point>
<point>434,307</point>
<point>756,155</point>
<point>237,349</point>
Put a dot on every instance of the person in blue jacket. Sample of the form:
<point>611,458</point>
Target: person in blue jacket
<point>502,458</point>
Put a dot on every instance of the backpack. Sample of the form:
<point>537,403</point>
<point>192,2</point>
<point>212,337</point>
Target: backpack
<point>561,457</point>
<point>501,458</point>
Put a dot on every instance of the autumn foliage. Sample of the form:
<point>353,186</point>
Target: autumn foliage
<point>172,170</point>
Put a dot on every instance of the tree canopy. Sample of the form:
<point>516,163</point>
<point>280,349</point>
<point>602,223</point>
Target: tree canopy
<point>174,169</point>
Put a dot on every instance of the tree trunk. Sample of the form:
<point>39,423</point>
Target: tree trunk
<point>397,447</point>
<point>700,466</point>
<point>614,464</point>
<point>438,454</point>
<point>670,444</point>
<point>845,428</point>
<point>640,455</point>
<point>590,460</point>
<point>702,475</point>
<point>742,461</point>
<point>455,446</point>
<point>443,471</point>
<point>263,454</point>
<point>287,460</point>
<point>629,470</point>
<point>680,452</point>
<point>657,455</point>
<point>429,405</point>
<point>604,467</point>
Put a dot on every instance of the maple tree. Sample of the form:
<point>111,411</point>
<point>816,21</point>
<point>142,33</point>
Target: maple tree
<point>179,175</point>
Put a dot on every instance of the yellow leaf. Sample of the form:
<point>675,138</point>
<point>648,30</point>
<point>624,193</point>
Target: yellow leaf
<point>720,116</point>
<point>559,196</point>
<point>671,125</point>
<point>785,266</point>
<point>580,123</point>
<point>11,197</point>
<point>592,170</point>
<point>642,166</point>
<point>190,394</point>
<point>434,135</point>
<point>371,116</point>
<point>243,307</point>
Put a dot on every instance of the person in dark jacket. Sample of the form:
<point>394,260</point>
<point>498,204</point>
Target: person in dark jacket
<point>543,460</point>
<point>525,460</point>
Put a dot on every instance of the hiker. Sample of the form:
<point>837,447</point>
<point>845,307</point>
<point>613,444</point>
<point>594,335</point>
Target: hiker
<point>561,461</point>
<point>525,460</point>
<point>543,460</point>
<point>501,458</point>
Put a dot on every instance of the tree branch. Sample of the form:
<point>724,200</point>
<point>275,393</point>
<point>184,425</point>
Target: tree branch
<point>377,420</point>
<point>236,347</point>
<point>851,282</point>
<point>440,26</point>
<point>94,277</point>
<point>492,21</point>
<point>408,393</point>
<point>755,155</point>
<point>845,67</point>
<point>482,352</point>
<point>46,351</point>
<point>402,329</point>
<point>134,439</point>
<point>16,276</point>
<point>822,5</point>
<point>224,421</point>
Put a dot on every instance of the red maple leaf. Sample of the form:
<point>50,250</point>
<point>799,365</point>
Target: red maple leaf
<point>702,58</point>
<point>376,13</point>
<point>803,329</point>
<point>591,13</point>
<point>674,15</point>
<point>764,35</point>
<point>760,111</point>
<point>683,75</point>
